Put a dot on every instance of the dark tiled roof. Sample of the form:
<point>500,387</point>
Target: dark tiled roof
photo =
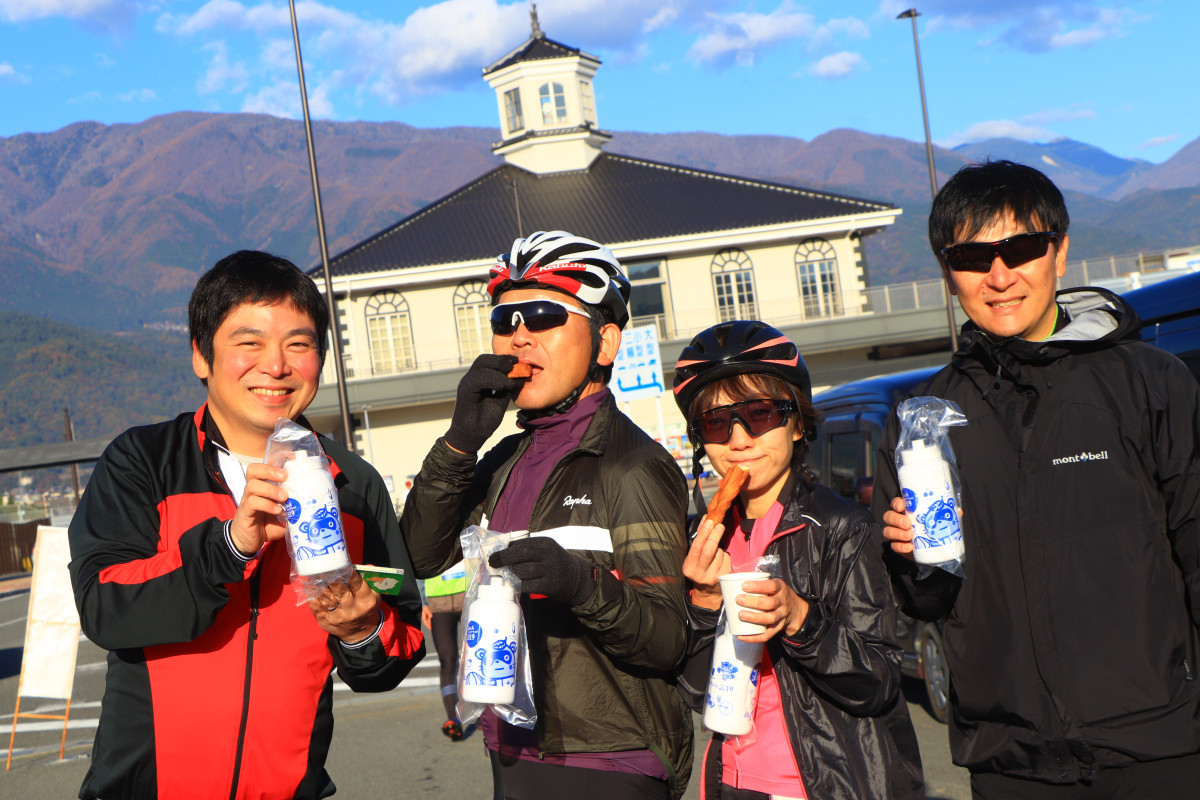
<point>537,49</point>
<point>618,199</point>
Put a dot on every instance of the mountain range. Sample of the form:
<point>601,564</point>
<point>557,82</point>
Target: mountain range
<point>109,226</point>
<point>105,228</point>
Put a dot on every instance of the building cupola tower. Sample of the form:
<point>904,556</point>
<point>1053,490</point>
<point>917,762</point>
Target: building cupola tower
<point>547,105</point>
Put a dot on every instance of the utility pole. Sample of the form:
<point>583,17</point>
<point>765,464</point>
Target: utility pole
<point>912,14</point>
<point>70,431</point>
<point>339,365</point>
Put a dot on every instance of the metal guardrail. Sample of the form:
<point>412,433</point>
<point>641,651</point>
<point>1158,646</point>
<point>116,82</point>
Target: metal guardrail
<point>889,299</point>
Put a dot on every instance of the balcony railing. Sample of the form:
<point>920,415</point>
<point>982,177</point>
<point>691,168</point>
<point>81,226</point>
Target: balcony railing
<point>891,299</point>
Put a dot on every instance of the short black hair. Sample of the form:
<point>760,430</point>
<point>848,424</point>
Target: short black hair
<point>251,276</point>
<point>981,193</point>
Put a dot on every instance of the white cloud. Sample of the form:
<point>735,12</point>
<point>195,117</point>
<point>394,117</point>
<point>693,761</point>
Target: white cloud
<point>1158,141</point>
<point>283,100</point>
<point>138,96</point>
<point>437,47</point>
<point>1035,127</point>
<point>838,65</point>
<point>663,17</point>
<point>10,75</point>
<point>85,98</point>
<point>1029,25</point>
<point>105,60</point>
<point>738,37</point>
<point>997,129</point>
<point>1050,116</point>
<point>221,75</point>
<point>107,15</point>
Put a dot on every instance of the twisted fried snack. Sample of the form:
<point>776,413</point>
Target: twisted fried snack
<point>730,485</point>
<point>520,370</point>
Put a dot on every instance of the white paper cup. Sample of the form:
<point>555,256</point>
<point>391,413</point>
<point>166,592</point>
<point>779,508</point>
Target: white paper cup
<point>731,587</point>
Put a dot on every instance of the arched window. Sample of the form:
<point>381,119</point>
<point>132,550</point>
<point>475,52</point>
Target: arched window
<point>471,310</point>
<point>816,269</point>
<point>553,103</point>
<point>733,283</point>
<point>389,332</point>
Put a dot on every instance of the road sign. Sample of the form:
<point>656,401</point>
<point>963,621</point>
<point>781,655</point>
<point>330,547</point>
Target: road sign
<point>637,372</point>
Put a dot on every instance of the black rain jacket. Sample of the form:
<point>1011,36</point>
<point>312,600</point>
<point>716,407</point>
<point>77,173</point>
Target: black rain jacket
<point>839,676</point>
<point>602,672</point>
<point>1072,641</point>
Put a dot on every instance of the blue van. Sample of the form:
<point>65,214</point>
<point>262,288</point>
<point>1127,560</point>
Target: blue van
<point>853,417</point>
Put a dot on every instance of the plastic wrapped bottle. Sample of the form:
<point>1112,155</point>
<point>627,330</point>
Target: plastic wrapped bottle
<point>318,544</point>
<point>732,685</point>
<point>928,492</point>
<point>489,665</point>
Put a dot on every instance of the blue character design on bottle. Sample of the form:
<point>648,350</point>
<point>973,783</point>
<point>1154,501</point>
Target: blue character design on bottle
<point>473,673</point>
<point>501,668</point>
<point>939,523</point>
<point>322,532</point>
<point>495,668</point>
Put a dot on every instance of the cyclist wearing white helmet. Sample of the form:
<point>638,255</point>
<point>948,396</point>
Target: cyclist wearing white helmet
<point>605,508</point>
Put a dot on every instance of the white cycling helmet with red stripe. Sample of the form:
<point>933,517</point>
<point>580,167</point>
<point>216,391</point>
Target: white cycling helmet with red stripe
<point>582,268</point>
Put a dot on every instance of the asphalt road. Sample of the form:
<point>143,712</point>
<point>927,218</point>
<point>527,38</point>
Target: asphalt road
<point>385,745</point>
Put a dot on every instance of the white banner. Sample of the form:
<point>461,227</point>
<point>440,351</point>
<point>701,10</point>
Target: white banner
<point>52,631</point>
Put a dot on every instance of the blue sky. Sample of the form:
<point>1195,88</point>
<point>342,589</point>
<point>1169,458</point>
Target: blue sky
<point>1119,74</point>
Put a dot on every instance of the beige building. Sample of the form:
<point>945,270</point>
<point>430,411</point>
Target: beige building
<point>699,247</point>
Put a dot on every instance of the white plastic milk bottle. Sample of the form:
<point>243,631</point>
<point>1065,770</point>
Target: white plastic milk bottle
<point>732,685</point>
<point>929,502</point>
<point>314,518</point>
<point>489,666</point>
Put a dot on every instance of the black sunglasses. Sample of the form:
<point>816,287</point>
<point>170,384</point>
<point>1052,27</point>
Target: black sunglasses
<point>1015,251</point>
<point>535,315</point>
<point>715,426</point>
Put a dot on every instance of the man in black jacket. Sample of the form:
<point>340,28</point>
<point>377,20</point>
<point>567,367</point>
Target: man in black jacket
<point>1072,640</point>
<point>601,570</point>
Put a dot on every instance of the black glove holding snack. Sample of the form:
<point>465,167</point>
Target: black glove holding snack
<point>483,395</point>
<point>545,568</point>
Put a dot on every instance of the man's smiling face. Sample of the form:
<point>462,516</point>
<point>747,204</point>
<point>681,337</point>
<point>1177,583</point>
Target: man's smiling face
<point>266,365</point>
<point>1011,301</point>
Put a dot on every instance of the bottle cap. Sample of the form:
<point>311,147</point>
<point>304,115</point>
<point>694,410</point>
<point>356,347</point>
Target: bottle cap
<point>496,592</point>
<point>920,453</point>
<point>303,461</point>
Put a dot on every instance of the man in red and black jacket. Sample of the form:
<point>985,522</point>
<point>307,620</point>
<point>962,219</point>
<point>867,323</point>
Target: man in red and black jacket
<point>218,678</point>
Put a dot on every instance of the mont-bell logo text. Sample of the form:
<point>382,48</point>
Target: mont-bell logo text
<point>1080,458</point>
<point>571,502</point>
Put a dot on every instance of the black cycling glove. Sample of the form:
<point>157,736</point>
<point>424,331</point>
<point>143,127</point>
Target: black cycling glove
<point>483,395</point>
<point>545,568</point>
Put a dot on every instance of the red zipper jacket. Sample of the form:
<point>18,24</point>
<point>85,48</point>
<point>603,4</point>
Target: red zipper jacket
<point>218,681</point>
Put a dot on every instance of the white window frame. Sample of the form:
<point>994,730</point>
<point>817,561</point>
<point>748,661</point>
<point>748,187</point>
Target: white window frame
<point>472,312</point>
<point>387,313</point>
<point>817,276</point>
<point>552,100</point>
<point>512,110</point>
<point>733,285</point>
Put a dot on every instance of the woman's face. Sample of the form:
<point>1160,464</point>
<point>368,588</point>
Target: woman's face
<point>768,458</point>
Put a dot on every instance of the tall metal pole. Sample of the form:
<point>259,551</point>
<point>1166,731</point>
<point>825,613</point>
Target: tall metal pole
<point>339,366</point>
<point>70,432</point>
<point>912,14</point>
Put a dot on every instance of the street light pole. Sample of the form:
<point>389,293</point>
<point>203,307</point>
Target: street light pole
<point>339,366</point>
<point>912,14</point>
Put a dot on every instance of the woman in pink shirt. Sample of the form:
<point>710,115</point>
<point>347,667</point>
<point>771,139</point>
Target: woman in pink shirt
<point>830,721</point>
